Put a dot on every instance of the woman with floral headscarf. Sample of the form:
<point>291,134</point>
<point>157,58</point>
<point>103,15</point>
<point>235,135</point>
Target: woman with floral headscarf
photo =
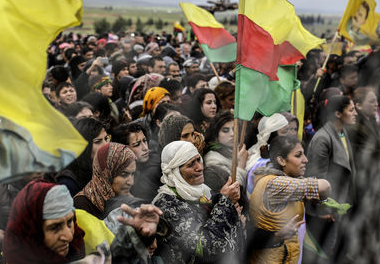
<point>113,168</point>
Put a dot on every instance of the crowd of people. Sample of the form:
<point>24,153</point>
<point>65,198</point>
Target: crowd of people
<point>156,173</point>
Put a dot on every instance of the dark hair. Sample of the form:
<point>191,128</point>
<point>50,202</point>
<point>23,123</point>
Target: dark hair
<point>337,103</point>
<point>171,64</point>
<point>153,60</point>
<point>62,85</point>
<point>171,85</point>
<point>360,94</point>
<point>100,103</point>
<point>193,109</point>
<point>74,108</point>
<point>85,50</point>
<point>74,62</point>
<point>121,133</point>
<point>59,73</point>
<point>193,79</point>
<point>224,89</point>
<point>216,124</point>
<point>162,110</point>
<point>89,128</point>
<point>281,146</point>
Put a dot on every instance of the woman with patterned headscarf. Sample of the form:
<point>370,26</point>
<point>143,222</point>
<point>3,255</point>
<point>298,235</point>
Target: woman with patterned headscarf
<point>113,168</point>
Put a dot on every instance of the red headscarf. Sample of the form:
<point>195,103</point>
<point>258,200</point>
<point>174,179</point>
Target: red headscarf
<point>24,236</point>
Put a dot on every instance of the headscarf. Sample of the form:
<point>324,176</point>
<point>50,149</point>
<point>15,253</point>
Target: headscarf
<point>151,47</point>
<point>147,81</point>
<point>171,128</point>
<point>110,160</point>
<point>152,97</point>
<point>173,156</point>
<point>267,125</point>
<point>101,82</point>
<point>24,236</point>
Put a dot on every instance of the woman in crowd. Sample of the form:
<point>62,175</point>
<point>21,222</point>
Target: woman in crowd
<point>78,110</point>
<point>226,94</point>
<point>79,172</point>
<point>203,228</point>
<point>153,97</point>
<point>42,226</point>
<point>330,157</point>
<point>113,168</point>
<point>202,107</point>
<point>364,135</point>
<point>100,103</point>
<point>218,160</point>
<point>258,154</point>
<point>278,195</point>
<point>178,127</point>
<point>76,65</point>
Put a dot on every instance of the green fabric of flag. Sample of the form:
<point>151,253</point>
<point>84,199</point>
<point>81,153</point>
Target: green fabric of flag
<point>260,94</point>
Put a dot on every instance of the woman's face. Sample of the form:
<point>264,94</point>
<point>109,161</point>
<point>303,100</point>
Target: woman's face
<point>209,107</point>
<point>369,106</point>
<point>123,183</point>
<point>192,171</point>
<point>226,134</point>
<point>228,102</point>
<point>295,163</point>
<point>348,116</point>
<point>106,90</point>
<point>99,141</point>
<point>187,133</point>
<point>67,95</point>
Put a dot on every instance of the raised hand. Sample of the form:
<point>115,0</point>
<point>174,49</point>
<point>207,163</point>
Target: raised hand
<point>144,219</point>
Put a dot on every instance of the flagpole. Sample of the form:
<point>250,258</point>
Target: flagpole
<point>235,149</point>
<point>242,134</point>
<point>215,72</point>
<point>327,58</point>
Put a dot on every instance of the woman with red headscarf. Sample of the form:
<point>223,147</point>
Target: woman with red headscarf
<point>42,226</point>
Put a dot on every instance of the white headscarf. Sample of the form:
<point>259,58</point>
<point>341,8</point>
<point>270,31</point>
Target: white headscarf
<point>267,125</point>
<point>173,156</point>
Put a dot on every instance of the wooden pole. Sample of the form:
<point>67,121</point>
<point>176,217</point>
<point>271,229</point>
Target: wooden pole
<point>242,134</point>
<point>235,149</point>
<point>215,72</point>
<point>327,58</point>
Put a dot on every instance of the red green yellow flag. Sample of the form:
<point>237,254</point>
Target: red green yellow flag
<point>269,34</point>
<point>217,44</point>
<point>360,23</point>
<point>34,137</point>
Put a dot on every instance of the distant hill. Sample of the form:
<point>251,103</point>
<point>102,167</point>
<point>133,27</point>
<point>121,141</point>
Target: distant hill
<point>142,3</point>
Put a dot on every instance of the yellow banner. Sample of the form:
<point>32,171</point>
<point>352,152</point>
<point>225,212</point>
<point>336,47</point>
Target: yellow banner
<point>360,22</point>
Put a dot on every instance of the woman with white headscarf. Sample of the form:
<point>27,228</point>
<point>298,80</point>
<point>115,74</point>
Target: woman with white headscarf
<point>203,228</point>
<point>268,127</point>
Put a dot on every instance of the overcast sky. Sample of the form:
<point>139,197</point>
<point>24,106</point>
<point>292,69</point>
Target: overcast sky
<point>323,6</point>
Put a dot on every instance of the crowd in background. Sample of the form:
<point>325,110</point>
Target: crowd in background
<point>159,126</point>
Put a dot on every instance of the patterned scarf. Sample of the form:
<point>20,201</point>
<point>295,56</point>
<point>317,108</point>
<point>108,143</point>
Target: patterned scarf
<point>110,160</point>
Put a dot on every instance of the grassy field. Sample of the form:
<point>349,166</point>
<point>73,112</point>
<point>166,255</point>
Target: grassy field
<point>170,15</point>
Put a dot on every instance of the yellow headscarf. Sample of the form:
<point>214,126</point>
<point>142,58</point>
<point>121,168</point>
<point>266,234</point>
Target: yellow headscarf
<point>152,97</point>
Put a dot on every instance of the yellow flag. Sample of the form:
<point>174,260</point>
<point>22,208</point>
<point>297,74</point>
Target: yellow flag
<point>298,109</point>
<point>95,230</point>
<point>27,28</point>
<point>360,22</point>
